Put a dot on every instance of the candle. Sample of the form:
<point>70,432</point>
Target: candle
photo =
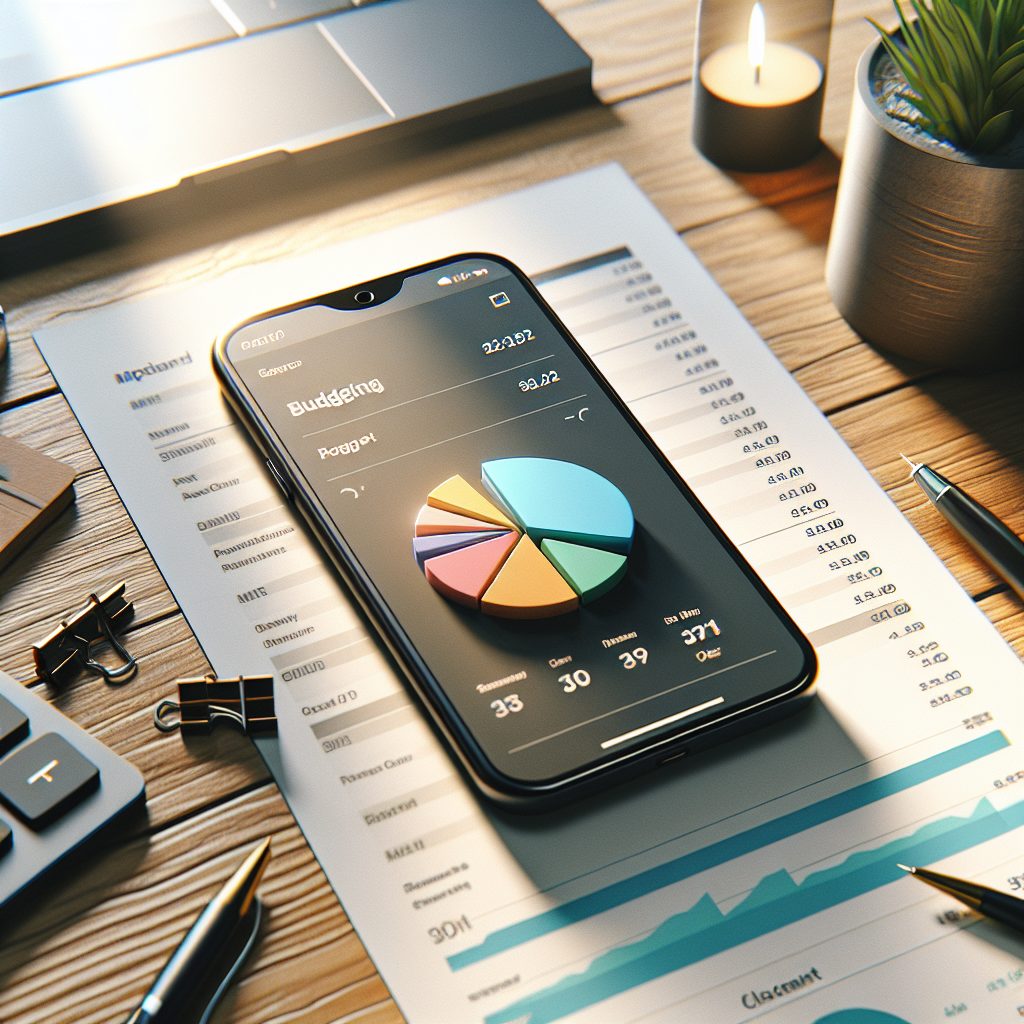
<point>786,75</point>
<point>757,104</point>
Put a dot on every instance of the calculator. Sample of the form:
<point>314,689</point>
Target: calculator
<point>59,786</point>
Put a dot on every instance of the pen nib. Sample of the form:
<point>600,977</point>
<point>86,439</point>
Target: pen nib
<point>905,868</point>
<point>914,466</point>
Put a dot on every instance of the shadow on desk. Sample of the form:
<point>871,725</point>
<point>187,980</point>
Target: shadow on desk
<point>987,404</point>
<point>814,181</point>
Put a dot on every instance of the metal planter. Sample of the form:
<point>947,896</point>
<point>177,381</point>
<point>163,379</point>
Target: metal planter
<point>926,255</point>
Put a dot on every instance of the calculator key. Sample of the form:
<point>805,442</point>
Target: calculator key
<point>44,778</point>
<point>5,839</point>
<point>13,725</point>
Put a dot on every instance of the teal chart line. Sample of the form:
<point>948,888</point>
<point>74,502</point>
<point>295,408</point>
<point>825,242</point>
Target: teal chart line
<point>727,849</point>
<point>703,930</point>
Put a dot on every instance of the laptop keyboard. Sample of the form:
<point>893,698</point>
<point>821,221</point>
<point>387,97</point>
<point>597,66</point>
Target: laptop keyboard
<point>47,41</point>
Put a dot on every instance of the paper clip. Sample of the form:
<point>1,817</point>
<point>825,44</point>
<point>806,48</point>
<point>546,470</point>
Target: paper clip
<point>68,649</point>
<point>247,702</point>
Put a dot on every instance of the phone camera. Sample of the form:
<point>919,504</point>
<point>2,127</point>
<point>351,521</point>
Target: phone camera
<point>364,298</point>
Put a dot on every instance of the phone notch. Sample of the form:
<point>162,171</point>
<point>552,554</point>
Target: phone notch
<point>364,295</point>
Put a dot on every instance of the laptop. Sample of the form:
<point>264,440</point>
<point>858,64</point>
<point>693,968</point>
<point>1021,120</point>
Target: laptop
<point>103,101</point>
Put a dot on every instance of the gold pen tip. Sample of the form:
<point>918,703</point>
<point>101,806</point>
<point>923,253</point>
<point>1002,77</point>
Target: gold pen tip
<point>252,871</point>
<point>905,868</point>
<point>261,855</point>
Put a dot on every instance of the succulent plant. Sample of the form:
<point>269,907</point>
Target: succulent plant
<point>964,64</point>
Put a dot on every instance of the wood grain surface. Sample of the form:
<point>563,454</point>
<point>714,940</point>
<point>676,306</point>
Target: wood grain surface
<point>92,941</point>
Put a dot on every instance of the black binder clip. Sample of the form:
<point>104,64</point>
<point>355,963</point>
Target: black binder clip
<point>246,702</point>
<point>68,649</point>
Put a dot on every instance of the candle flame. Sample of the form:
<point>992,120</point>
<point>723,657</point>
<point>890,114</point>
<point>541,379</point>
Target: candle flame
<point>755,39</point>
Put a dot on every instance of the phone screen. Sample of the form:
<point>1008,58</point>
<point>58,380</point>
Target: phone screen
<point>547,572</point>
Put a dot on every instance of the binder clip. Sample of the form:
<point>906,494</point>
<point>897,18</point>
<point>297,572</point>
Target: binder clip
<point>246,702</point>
<point>68,649</point>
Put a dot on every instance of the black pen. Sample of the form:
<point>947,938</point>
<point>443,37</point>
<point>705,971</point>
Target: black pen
<point>1000,906</point>
<point>989,536</point>
<point>189,965</point>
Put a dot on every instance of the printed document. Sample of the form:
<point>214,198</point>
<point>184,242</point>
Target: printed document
<point>756,880</point>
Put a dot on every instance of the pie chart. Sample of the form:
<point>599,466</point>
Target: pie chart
<point>551,536</point>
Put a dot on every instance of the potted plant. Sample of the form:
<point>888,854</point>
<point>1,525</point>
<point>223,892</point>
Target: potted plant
<point>926,255</point>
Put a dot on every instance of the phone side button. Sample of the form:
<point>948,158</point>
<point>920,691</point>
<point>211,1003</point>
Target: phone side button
<point>280,481</point>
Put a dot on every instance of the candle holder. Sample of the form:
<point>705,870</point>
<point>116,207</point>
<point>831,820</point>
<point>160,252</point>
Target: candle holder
<point>759,81</point>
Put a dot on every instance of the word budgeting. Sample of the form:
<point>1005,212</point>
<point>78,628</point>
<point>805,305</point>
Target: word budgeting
<point>337,397</point>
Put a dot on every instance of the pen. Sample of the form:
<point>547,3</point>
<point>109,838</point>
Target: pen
<point>1000,906</point>
<point>990,537</point>
<point>188,967</point>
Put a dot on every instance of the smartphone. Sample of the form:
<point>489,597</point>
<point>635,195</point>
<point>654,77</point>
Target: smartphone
<point>567,610</point>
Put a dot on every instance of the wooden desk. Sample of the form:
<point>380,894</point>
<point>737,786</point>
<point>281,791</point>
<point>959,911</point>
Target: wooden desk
<point>91,945</point>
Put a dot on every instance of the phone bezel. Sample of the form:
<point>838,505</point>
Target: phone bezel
<point>494,783</point>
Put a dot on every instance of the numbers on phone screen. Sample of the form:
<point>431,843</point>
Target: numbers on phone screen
<point>697,634</point>
<point>509,341</point>
<point>630,659</point>
<point>532,383</point>
<point>581,677</point>
<point>505,706</point>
